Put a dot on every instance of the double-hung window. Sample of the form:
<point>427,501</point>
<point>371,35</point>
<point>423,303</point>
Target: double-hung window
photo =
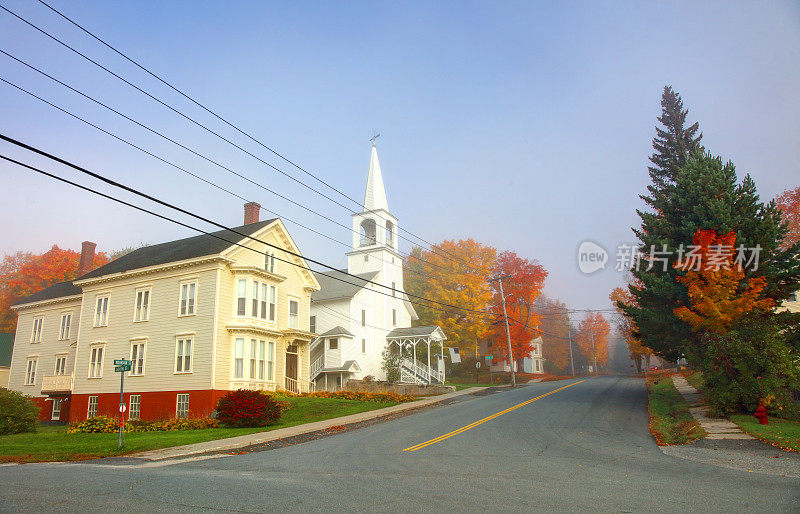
<point>182,406</point>
<point>294,313</point>
<point>101,311</point>
<point>183,355</point>
<point>241,297</point>
<point>273,302</point>
<point>256,290</point>
<point>92,411</point>
<point>271,360</point>
<point>253,344</point>
<point>238,358</point>
<point>264,292</point>
<point>269,262</point>
<point>188,296</point>
<point>30,371</point>
<point>312,324</point>
<point>137,358</point>
<point>61,365</point>
<point>261,359</point>
<point>142,308</point>
<point>36,334</point>
<point>135,409</point>
<point>96,362</point>
<point>63,329</point>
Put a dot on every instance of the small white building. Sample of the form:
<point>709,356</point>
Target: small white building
<point>531,363</point>
<point>361,309</point>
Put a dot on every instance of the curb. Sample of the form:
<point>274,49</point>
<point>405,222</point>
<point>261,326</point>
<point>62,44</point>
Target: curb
<point>233,443</point>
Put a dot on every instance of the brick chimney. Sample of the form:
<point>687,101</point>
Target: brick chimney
<point>87,257</point>
<point>252,213</point>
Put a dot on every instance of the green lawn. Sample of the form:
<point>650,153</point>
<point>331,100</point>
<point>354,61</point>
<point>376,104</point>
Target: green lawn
<point>780,432</point>
<point>52,443</point>
<point>670,419</point>
<point>459,387</point>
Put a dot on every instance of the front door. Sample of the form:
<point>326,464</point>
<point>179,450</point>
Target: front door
<point>291,366</point>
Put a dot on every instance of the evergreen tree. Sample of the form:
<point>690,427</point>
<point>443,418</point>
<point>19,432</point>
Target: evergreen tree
<point>693,190</point>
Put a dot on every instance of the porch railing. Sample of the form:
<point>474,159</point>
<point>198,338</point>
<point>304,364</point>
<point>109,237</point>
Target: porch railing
<point>57,384</point>
<point>296,386</point>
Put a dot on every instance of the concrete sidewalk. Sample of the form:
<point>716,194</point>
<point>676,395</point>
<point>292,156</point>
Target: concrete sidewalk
<point>244,441</point>
<point>716,428</point>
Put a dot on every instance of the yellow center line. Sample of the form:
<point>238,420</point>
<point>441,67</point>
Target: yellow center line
<point>484,420</point>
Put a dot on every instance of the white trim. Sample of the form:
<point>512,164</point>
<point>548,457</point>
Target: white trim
<point>61,335</point>
<point>187,282</point>
<point>97,298</point>
<point>182,340</point>
<point>36,335</point>
<point>140,290</point>
<point>143,342</point>
<point>92,347</point>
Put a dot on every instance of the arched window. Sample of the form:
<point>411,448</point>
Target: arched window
<point>368,233</point>
<point>389,234</point>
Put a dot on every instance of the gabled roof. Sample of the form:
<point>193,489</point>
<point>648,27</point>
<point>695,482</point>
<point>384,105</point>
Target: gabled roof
<point>173,251</point>
<point>333,289</point>
<point>426,331</point>
<point>347,366</point>
<point>180,250</point>
<point>337,331</point>
<point>6,347</point>
<point>59,290</point>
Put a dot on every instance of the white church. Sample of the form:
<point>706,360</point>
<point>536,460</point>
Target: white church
<point>356,319</point>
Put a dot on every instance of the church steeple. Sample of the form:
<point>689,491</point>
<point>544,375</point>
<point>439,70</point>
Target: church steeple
<point>375,195</point>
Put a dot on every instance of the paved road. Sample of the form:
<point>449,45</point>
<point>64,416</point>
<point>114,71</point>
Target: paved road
<point>583,448</point>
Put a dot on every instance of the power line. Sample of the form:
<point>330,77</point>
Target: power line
<point>196,122</point>
<point>198,177</point>
<point>211,222</point>
<point>167,138</point>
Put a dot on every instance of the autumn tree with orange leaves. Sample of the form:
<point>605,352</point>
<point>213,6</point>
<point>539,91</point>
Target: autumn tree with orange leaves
<point>718,292</point>
<point>25,273</point>
<point>453,273</point>
<point>789,204</point>
<point>627,327</point>
<point>592,338</point>
<point>521,288</point>
<point>555,328</point>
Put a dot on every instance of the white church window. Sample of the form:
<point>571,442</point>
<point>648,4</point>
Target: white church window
<point>368,233</point>
<point>389,234</point>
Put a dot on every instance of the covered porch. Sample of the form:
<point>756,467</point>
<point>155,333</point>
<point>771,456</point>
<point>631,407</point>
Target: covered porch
<point>414,353</point>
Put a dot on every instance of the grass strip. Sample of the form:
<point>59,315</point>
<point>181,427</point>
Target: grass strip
<point>782,433</point>
<point>52,443</point>
<point>671,422</point>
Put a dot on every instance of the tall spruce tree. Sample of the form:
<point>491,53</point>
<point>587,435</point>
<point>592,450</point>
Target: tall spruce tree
<point>692,190</point>
<point>658,328</point>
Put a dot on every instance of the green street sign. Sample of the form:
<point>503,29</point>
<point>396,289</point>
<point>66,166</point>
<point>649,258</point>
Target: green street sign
<point>124,367</point>
<point>489,357</point>
<point>122,362</point>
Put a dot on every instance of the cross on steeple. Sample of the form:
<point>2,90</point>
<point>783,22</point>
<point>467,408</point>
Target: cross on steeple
<point>374,137</point>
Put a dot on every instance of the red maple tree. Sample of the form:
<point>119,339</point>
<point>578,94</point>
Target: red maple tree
<point>523,285</point>
<point>25,273</point>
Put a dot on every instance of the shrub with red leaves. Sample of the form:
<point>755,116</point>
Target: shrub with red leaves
<point>246,408</point>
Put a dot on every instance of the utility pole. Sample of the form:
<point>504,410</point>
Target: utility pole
<point>508,331</point>
<point>595,355</point>
<point>569,336</point>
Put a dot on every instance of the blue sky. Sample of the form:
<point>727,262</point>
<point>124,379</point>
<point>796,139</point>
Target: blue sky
<point>523,125</point>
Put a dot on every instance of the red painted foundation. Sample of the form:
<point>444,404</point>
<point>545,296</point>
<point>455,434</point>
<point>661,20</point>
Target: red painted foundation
<point>153,405</point>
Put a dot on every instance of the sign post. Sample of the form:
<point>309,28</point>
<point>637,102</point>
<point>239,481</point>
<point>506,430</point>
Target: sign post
<point>121,366</point>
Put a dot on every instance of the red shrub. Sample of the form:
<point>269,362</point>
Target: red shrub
<point>246,408</point>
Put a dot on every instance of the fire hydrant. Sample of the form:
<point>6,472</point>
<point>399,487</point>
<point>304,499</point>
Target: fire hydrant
<point>761,415</point>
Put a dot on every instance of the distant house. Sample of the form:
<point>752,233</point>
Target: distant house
<point>792,304</point>
<point>530,363</point>
<point>6,348</point>
<point>198,317</point>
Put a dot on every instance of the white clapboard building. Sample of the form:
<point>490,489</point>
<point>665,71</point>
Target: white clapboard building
<point>355,319</point>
